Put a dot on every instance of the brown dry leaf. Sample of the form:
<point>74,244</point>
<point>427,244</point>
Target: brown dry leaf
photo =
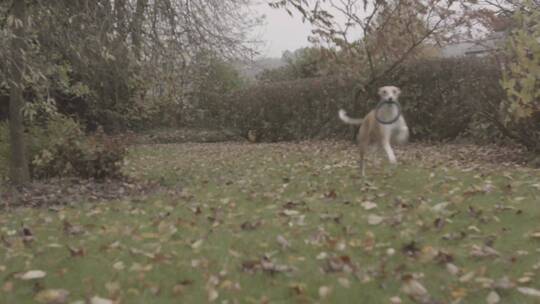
<point>52,296</point>
<point>368,243</point>
<point>458,293</point>
<point>71,229</point>
<point>76,252</point>
<point>27,235</point>
<point>428,253</point>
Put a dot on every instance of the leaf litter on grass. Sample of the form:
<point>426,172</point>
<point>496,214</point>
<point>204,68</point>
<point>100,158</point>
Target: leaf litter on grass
<point>286,223</point>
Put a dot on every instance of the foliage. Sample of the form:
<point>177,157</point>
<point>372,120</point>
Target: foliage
<point>58,147</point>
<point>211,78</point>
<point>520,112</point>
<point>441,101</point>
<point>104,61</point>
<point>302,63</point>
<point>392,32</point>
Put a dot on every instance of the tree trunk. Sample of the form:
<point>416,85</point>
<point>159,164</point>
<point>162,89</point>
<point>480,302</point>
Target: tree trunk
<point>137,27</point>
<point>19,172</point>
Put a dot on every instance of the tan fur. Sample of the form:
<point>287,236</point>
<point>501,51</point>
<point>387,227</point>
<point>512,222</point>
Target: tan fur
<point>372,132</point>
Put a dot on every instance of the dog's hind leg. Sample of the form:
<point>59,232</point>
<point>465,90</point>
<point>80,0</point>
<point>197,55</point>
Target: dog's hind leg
<point>361,164</point>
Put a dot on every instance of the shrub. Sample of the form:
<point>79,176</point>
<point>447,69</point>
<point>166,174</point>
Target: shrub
<point>59,148</point>
<point>294,110</point>
<point>441,101</point>
<point>519,115</point>
<point>442,98</point>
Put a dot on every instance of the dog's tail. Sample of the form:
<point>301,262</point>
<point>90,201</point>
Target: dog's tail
<point>348,120</point>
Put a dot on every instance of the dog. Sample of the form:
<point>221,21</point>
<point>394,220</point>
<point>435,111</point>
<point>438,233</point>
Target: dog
<point>373,132</point>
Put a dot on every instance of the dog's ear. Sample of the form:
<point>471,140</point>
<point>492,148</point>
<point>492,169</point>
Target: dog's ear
<point>398,91</point>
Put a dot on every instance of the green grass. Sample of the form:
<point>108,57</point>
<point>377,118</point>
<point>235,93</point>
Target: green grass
<point>189,240</point>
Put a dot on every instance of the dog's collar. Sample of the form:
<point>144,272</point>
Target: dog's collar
<point>385,102</point>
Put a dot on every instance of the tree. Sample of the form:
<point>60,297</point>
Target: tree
<point>100,60</point>
<point>391,31</point>
<point>519,114</point>
<point>19,172</point>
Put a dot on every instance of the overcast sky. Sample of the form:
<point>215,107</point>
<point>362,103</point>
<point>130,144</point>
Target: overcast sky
<point>281,32</point>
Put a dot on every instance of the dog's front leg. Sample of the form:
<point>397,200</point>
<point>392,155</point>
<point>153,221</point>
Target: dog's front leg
<point>387,148</point>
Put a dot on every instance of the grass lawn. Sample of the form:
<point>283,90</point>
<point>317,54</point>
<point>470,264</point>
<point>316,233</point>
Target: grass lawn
<point>286,223</point>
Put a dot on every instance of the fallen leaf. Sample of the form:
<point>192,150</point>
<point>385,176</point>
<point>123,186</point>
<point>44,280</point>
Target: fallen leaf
<point>415,290</point>
<point>298,288</point>
<point>395,300</point>
<point>7,287</point>
<point>32,275</point>
<point>27,235</point>
<point>212,295</point>
<point>324,291</point>
<point>493,298</point>
<point>282,241</point>
<point>452,269</point>
<point>76,252</point>
<point>504,283</point>
<point>524,280</point>
<point>99,300</point>
<point>344,282</point>
<point>197,244</point>
<point>467,277</point>
<point>52,296</point>
<point>119,265</point>
<point>529,291</point>
<point>375,219</point>
<point>368,205</point>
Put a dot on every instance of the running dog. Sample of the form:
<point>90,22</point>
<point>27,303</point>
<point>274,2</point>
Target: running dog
<point>374,132</point>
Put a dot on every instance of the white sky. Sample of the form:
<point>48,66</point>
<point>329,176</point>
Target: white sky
<point>281,32</point>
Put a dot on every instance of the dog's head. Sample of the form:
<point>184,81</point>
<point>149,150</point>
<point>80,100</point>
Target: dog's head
<point>389,93</point>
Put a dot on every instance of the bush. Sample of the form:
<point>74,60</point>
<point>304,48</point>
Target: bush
<point>59,148</point>
<point>519,115</point>
<point>295,110</point>
<point>441,100</point>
